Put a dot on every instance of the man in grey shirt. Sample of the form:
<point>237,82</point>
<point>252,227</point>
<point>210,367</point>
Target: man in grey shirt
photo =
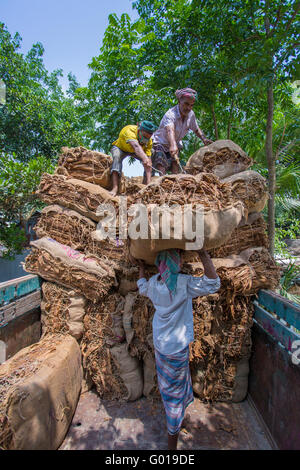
<point>172,129</point>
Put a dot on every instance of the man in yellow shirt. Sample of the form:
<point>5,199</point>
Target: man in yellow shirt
<point>134,141</point>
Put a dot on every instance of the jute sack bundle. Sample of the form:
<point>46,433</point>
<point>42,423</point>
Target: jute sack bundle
<point>248,234</point>
<point>226,383</point>
<point>250,188</point>
<point>244,273</point>
<point>137,323</point>
<point>204,195</point>
<point>103,330</point>
<point>62,310</point>
<point>66,226</point>
<point>103,321</point>
<point>40,387</point>
<point>86,165</point>
<point>218,227</point>
<point>150,376</point>
<point>130,371</point>
<point>223,158</point>
<point>70,228</point>
<point>109,248</point>
<point>221,347</point>
<point>75,194</point>
<point>59,263</point>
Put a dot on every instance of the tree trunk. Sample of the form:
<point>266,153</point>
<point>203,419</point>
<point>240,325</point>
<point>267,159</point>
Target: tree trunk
<point>229,120</point>
<point>271,169</point>
<point>215,123</point>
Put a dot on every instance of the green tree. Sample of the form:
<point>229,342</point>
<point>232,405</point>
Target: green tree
<point>254,46</point>
<point>18,184</point>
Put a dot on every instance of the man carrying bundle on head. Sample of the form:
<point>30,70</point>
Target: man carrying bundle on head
<point>171,293</point>
<point>133,141</point>
<point>172,129</point>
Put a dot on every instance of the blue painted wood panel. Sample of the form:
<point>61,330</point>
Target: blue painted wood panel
<point>274,327</point>
<point>12,290</point>
<point>282,307</point>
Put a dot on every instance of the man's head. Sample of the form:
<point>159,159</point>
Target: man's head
<point>186,99</point>
<point>145,131</point>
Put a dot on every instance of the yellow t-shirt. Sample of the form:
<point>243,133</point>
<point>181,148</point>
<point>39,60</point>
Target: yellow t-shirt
<point>130,133</point>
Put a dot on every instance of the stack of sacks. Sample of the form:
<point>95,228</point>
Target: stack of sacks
<point>222,347</point>
<point>115,330</point>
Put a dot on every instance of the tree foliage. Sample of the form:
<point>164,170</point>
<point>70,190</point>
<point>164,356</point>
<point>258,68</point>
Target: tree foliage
<point>240,56</point>
<point>18,201</point>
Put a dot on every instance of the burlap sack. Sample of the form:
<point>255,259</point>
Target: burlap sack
<point>75,194</point>
<point>42,387</point>
<point>150,376</point>
<point>59,263</point>
<point>244,273</point>
<point>62,310</point>
<point>222,341</point>
<point>250,188</point>
<point>130,371</point>
<point>70,228</point>
<point>137,323</point>
<point>127,316</point>
<point>66,226</point>
<point>240,387</point>
<point>218,227</point>
<point>223,158</point>
<point>250,233</point>
<point>86,165</point>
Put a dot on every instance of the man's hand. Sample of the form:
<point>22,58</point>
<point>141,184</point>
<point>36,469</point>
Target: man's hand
<point>174,153</point>
<point>135,261</point>
<point>199,133</point>
<point>207,141</point>
<point>147,162</point>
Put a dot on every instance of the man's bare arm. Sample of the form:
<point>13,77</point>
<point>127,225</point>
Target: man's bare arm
<point>172,142</point>
<point>199,133</point>
<point>209,269</point>
<point>140,152</point>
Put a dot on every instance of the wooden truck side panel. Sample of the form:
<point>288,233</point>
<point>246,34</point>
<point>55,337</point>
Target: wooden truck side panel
<point>274,380</point>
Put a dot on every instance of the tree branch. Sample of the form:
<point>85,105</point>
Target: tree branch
<point>297,8</point>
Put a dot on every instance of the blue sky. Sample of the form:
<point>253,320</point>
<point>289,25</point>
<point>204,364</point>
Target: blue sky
<point>71,32</point>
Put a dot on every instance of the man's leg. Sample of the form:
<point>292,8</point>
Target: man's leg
<point>172,441</point>
<point>115,183</point>
<point>116,168</point>
<point>159,160</point>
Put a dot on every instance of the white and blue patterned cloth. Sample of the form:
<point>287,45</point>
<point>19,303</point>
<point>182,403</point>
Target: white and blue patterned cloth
<point>175,386</point>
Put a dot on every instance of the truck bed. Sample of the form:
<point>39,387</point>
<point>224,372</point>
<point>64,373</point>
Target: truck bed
<point>140,425</point>
<point>269,418</point>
